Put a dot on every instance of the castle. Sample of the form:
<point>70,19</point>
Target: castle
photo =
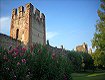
<point>28,26</point>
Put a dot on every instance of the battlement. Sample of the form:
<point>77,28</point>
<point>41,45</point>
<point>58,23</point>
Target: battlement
<point>42,16</point>
<point>28,9</point>
<point>29,6</point>
<point>14,11</point>
<point>20,9</point>
<point>37,12</point>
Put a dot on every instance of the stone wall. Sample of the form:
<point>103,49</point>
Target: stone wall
<point>38,27</point>
<point>20,24</point>
<point>28,25</point>
<point>57,51</point>
<point>7,41</point>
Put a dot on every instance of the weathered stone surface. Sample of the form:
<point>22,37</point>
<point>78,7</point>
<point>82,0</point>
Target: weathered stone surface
<point>82,48</point>
<point>8,42</point>
<point>28,25</point>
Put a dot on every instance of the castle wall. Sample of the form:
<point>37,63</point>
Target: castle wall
<point>7,41</point>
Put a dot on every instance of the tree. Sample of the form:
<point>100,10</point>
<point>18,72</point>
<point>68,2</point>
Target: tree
<point>98,41</point>
<point>87,61</point>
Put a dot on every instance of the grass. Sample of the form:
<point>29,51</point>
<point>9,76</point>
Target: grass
<point>89,76</point>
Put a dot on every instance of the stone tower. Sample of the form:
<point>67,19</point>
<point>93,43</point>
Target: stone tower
<point>82,48</point>
<point>28,25</point>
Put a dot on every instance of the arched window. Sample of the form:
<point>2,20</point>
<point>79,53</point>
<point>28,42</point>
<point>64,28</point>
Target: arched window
<point>17,33</point>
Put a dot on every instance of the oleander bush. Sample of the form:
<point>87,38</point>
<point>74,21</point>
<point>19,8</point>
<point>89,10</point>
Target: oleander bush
<point>38,63</point>
<point>34,63</point>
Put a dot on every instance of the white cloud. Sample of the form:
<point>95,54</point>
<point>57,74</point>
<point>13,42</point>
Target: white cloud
<point>5,25</point>
<point>50,35</point>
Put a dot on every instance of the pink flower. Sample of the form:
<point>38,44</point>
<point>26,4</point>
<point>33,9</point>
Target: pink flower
<point>24,49</point>
<point>15,50</point>
<point>23,60</point>
<point>18,63</point>
<point>14,55</point>
<point>10,52</point>
<point>53,56</point>
<point>5,57</point>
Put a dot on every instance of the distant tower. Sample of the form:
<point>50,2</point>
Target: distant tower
<point>28,25</point>
<point>85,47</point>
<point>82,48</point>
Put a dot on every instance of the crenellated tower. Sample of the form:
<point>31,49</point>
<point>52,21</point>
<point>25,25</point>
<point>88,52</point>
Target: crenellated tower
<point>28,25</point>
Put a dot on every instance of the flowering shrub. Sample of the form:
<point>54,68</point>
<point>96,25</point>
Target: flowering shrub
<point>35,63</point>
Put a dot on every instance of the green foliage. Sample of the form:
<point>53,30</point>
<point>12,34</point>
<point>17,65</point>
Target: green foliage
<point>99,58</point>
<point>80,61</point>
<point>36,63</point>
<point>75,59</point>
<point>98,41</point>
<point>87,61</point>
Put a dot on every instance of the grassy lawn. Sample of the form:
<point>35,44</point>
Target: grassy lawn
<point>88,76</point>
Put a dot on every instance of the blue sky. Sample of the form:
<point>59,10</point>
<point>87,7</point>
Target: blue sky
<point>68,22</point>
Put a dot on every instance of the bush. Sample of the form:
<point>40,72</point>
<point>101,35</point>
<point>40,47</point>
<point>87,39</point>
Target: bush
<point>80,61</point>
<point>76,60</point>
<point>35,63</point>
<point>88,61</point>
